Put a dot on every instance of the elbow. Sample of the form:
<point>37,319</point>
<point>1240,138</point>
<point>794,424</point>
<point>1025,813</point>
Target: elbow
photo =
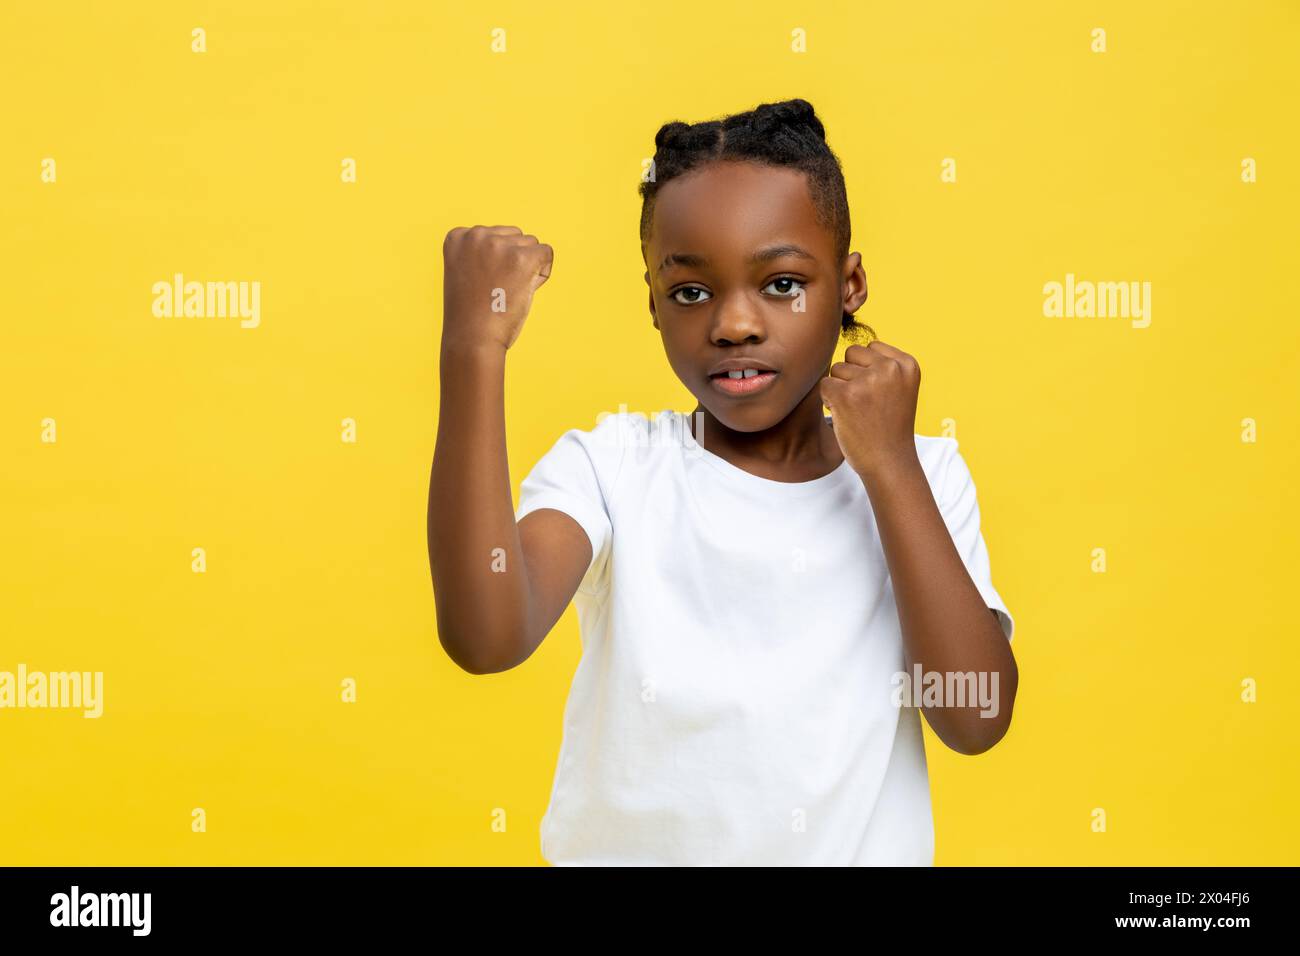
<point>479,655</point>
<point>980,733</point>
<point>468,663</point>
<point>476,644</point>
<point>987,726</point>
<point>975,744</point>
<point>465,656</point>
<point>979,730</point>
<point>483,637</point>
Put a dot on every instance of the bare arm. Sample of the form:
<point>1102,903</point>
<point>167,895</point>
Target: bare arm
<point>946,625</point>
<point>499,586</point>
<point>947,628</point>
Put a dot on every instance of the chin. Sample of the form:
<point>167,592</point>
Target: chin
<point>752,415</point>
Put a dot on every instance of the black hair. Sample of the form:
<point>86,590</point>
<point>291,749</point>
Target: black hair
<point>774,134</point>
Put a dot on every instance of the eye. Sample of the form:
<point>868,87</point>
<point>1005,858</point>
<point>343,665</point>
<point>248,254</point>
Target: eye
<point>688,288</point>
<point>787,292</point>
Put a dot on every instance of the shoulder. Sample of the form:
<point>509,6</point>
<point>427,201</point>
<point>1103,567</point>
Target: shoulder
<point>934,449</point>
<point>626,430</point>
<point>610,430</point>
<point>615,439</point>
<point>619,430</point>
<point>943,464</point>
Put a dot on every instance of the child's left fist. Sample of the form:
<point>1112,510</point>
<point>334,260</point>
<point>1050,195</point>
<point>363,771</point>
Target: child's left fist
<point>872,397</point>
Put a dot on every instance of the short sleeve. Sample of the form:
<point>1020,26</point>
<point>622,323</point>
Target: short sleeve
<point>961,513</point>
<point>576,476</point>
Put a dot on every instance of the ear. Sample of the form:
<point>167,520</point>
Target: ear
<point>653,317</point>
<point>855,283</point>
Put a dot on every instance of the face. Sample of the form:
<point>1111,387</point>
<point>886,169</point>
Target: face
<point>742,275</point>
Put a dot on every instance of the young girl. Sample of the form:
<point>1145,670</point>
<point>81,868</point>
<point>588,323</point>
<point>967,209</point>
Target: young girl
<point>767,597</point>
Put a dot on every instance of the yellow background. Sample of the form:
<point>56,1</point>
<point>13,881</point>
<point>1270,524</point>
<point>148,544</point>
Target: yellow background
<point>222,690</point>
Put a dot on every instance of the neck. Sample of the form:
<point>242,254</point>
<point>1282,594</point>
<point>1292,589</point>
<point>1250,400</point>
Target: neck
<point>799,447</point>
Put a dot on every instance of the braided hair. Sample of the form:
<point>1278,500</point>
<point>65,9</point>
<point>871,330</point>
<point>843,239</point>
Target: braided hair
<point>775,134</point>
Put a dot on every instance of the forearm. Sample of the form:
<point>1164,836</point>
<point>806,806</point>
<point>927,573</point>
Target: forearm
<point>947,626</point>
<point>479,577</point>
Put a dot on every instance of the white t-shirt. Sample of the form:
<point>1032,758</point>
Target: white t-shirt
<point>736,700</point>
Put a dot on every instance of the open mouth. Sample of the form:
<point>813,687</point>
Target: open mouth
<point>742,381</point>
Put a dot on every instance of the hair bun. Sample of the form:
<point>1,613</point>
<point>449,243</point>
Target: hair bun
<point>670,132</point>
<point>769,117</point>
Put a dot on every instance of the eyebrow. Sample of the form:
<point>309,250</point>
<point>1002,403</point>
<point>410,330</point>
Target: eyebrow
<point>691,260</point>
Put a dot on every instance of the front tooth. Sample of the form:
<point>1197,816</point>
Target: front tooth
<point>735,373</point>
<point>750,372</point>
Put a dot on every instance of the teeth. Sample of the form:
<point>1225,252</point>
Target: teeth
<point>742,373</point>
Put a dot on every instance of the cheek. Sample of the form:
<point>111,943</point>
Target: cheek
<point>816,308</point>
<point>680,357</point>
<point>810,338</point>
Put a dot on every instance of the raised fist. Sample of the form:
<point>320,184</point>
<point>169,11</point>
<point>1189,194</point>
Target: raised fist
<point>489,276</point>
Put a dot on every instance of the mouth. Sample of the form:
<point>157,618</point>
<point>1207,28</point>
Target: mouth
<point>742,382</point>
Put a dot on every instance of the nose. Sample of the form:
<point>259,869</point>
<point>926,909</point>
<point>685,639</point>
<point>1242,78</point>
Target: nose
<point>734,321</point>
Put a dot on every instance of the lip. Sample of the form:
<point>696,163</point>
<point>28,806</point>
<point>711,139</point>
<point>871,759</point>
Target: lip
<point>743,386</point>
<point>731,364</point>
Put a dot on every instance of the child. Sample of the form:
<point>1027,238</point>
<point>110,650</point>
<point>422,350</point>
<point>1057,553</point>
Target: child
<point>756,584</point>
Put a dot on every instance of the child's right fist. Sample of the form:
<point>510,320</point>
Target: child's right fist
<point>489,276</point>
